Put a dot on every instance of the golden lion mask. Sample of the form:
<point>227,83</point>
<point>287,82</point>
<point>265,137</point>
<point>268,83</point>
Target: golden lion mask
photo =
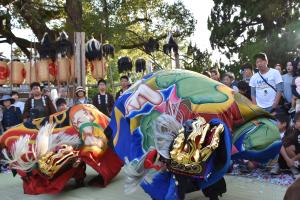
<point>188,152</point>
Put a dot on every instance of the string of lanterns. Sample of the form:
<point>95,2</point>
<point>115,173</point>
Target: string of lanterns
<point>56,61</point>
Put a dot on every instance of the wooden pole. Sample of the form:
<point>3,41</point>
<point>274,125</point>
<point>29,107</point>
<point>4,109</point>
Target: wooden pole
<point>30,63</point>
<point>11,65</point>
<point>111,80</point>
<point>177,64</point>
<point>80,68</point>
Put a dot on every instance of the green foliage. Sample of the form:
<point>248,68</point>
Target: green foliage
<point>127,25</point>
<point>197,60</point>
<point>247,27</point>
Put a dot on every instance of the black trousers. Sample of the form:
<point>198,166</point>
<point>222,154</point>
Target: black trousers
<point>188,185</point>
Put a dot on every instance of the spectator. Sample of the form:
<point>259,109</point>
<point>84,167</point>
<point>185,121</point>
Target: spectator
<point>244,89</point>
<point>11,115</point>
<point>207,73</point>
<point>103,100</point>
<point>290,151</point>
<point>247,72</point>
<point>295,89</point>
<point>278,68</point>
<point>124,82</point>
<point>215,74</point>
<point>46,92</point>
<point>63,93</point>
<point>229,80</point>
<point>38,105</point>
<point>19,104</point>
<point>1,118</point>
<point>287,82</point>
<point>81,96</point>
<point>266,85</point>
<point>283,122</point>
<point>61,104</point>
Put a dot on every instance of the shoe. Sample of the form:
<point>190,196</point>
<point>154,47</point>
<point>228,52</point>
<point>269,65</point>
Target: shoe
<point>214,198</point>
<point>297,176</point>
<point>292,110</point>
<point>295,171</point>
<point>275,169</point>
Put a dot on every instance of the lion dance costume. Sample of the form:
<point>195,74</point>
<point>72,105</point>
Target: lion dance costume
<point>47,152</point>
<point>177,131</point>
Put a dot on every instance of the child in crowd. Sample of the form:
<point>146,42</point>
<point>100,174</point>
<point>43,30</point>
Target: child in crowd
<point>19,104</point>
<point>290,151</point>
<point>283,121</point>
<point>229,80</point>
<point>61,104</point>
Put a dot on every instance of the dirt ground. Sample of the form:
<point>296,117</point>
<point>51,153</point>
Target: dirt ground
<point>238,188</point>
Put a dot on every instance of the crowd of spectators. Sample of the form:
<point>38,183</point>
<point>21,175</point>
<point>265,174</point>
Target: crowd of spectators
<point>277,91</point>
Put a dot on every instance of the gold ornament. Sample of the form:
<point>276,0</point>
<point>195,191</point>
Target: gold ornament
<point>52,162</point>
<point>187,154</point>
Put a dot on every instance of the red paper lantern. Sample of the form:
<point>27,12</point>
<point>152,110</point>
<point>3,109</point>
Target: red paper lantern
<point>4,72</point>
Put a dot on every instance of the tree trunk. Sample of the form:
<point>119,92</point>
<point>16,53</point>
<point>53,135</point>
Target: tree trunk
<point>74,19</point>
<point>106,19</point>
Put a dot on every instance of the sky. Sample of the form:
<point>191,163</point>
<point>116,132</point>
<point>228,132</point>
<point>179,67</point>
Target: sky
<point>201,11</point>
<point>199,8</point>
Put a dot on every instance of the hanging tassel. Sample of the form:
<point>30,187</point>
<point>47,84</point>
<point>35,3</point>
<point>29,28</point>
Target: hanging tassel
<point>124,64</point>
<point>46,47</point>
<point>63,46</point>
<point>108,50</point>
<point>93,50</point>
<point>140,65</point>
<point>170,45</point>
<point>151,46</point>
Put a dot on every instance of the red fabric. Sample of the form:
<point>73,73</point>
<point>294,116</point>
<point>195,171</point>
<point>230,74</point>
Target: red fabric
<point>150,159</point>
<point>108,166</point>
<point>37,183</point>
<point>4,72</point>
<point>52,69</point>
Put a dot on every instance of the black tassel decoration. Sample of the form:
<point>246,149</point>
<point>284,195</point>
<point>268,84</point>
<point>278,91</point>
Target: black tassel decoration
<point>63,46</point>
<point>46,48</point>
<point>140,65</point>
<point>124,64</point>
<point>151,46</point>
<point>93,50</point>
<point>108,50</point>
<point>170,46</point>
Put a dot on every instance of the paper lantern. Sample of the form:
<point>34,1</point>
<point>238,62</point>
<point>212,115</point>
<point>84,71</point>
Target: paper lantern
<point>45,70</point>
<point>98,68</point>
<point>63,69</point>
<point>72,69</point>
<point>30,76</point>
<point>17,72</point>
<point>4,73</point>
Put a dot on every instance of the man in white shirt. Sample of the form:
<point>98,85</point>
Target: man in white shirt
<point>19,104</point>
<point>266,85</point>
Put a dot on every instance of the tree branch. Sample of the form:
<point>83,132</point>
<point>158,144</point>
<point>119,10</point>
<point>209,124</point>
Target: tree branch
<point>142,41</point>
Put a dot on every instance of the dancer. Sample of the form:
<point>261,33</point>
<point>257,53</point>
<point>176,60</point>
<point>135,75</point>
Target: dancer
<point>47,152</point>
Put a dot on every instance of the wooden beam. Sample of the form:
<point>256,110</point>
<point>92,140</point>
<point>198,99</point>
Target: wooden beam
<point>80,68</point>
